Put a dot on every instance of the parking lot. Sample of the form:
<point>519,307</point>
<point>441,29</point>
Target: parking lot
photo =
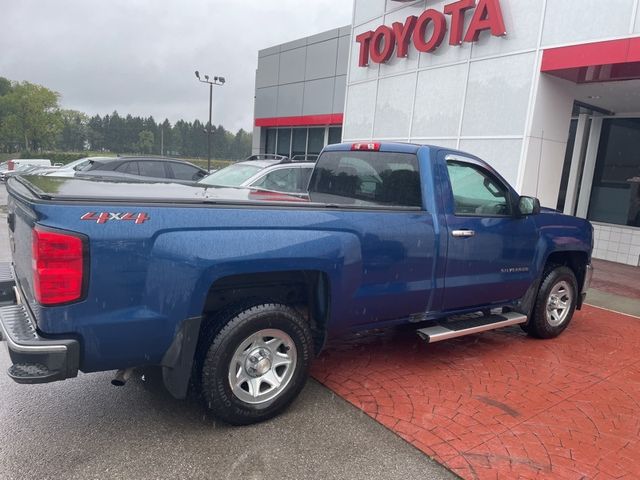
<point>496,405</point>
<point>85,428</point>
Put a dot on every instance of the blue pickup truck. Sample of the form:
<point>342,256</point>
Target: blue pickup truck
<point>232,291</point>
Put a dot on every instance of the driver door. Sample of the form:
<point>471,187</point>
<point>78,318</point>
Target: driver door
<point>490,248</point>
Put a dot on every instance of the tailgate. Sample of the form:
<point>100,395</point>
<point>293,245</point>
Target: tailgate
<point>51,264</point>
<point>21,219</point>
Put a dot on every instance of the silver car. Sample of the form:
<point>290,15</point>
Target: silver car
<point>70,169</point>
<point>266,172</point>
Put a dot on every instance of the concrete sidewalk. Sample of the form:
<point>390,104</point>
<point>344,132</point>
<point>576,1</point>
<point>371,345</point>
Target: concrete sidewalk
<point>615,287</point>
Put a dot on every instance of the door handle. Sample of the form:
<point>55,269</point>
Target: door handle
<point>463,233</point>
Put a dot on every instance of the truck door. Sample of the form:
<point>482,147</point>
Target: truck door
<point>490,248</point>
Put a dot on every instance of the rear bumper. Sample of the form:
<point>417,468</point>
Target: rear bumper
<point>35,359</point>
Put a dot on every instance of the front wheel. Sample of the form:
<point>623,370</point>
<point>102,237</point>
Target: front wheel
<point>555,304</point>
<point>257,364</point>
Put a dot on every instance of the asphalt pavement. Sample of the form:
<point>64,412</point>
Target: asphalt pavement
<point>84,428</point>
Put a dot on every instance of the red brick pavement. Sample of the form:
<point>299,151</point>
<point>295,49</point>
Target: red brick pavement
<point>500,404</point>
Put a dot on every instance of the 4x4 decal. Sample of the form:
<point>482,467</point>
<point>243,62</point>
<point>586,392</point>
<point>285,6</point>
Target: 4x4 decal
<point>104,217</point>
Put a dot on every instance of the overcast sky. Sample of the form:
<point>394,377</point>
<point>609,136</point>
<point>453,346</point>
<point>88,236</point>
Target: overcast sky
<point>139,56</point>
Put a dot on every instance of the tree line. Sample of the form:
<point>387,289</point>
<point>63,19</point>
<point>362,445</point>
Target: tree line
<point>32,120</point>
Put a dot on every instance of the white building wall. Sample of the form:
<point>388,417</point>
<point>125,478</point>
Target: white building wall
<point>488,98</point>
<point>545,143</point>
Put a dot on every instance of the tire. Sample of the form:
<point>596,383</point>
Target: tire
<point>257,364</point>
<point>555,303</point>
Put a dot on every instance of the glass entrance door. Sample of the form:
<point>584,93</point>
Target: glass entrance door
<point>615,195</point>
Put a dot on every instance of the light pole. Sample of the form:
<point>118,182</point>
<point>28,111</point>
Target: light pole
<point>218,81</point>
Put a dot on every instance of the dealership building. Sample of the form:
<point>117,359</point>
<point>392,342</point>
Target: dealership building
<point>546,91</point>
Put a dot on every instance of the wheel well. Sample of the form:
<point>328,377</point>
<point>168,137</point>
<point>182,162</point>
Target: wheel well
<point>576,261</point>
<point>305,290</point>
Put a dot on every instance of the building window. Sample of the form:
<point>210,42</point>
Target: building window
<point>270,145</point>
<point>299,141</point>
<point>615,196</point>
<point>299,144</point>
<point>316,141</point>
<point>284,142</point>
<point>335,135</point>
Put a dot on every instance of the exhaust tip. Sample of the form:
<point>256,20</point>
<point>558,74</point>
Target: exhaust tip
<point>121,377</point>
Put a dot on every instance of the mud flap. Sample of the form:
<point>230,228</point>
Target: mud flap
<point>177,362</point>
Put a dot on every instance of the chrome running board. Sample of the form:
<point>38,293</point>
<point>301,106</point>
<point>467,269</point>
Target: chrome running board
<point>468,325</point>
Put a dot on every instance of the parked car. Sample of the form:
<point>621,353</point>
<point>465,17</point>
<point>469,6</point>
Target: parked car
<point>140,169</point>
<point>266,172</point>
<point>19,165</point>
<point>4,167</point>
<point>41,162</point>
<point>70,169</point>
<point>26,169</point>
<point>235,296</point>
<point>22,170</point>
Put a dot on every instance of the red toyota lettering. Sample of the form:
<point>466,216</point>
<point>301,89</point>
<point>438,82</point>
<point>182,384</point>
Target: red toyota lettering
<point>382,44</point>
<point>488,16</point>
<point>439,31</point>
<point>364,39</point>
<point>379,45</point>
<point>403,35</point>
<point>457,11</point>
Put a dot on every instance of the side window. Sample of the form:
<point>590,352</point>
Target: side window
<point>182,171</point>
<point>129,167</point>
<point>304,174</point>
<point>281,180</point>
<point>82,166</point>
<point>89,165</point>
<point>476,192</point>
<point>152,169</point>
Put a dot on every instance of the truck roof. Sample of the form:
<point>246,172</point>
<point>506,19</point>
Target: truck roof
<point>390,147</point>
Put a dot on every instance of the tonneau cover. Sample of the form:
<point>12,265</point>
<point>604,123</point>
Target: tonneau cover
<point>73,189</point>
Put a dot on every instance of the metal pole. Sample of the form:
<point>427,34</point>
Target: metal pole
<point>209,129</point>
<point>216,81</point>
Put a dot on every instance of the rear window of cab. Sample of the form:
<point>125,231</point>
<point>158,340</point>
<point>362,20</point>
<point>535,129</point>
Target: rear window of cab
<point>363,178</point>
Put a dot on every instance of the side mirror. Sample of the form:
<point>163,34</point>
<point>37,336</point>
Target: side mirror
<point>528,206</point>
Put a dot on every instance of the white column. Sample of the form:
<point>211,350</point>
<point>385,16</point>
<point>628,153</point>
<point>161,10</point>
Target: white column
<point>580,143</point>
<point>258,143</point>
<point>589,168</point>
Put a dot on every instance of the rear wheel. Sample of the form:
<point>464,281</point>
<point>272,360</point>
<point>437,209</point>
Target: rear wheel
<point>257,364</point>
<point>555,304</point>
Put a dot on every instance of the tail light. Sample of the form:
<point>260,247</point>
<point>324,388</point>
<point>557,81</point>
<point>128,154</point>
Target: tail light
<point>58,267</point>
<point>369,147</point>
<point>11,165</point>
